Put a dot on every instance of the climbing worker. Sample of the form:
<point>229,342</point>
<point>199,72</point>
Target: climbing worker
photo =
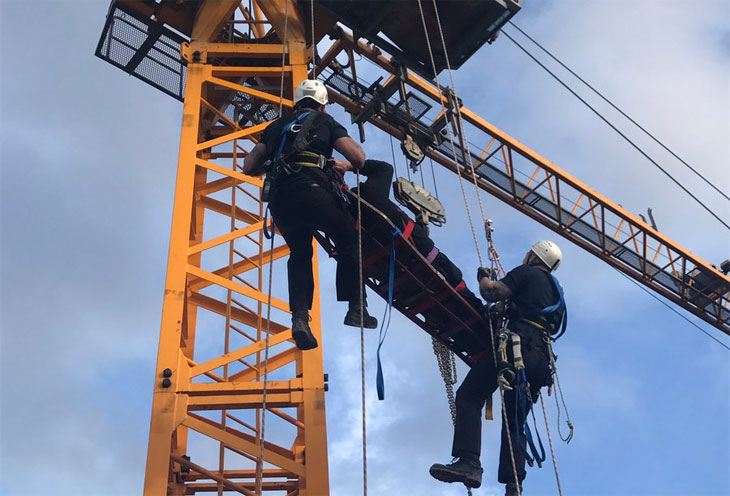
<point>295,152</point>
<point>535,312</point>
<point>375,190</point>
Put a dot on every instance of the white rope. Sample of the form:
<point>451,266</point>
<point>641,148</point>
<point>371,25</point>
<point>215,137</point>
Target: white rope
<point>258,489</point>
<point>550,441</point>
<point>471,225</point>
<point>451,138</point>
<point>362,344</point>
<point>466,152</point>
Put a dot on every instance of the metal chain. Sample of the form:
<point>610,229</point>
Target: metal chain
<point>447,367</point>
<point>550,441</point>
<point>258,489</point>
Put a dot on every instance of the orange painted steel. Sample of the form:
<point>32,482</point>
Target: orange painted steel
<point>547,194</point>
<point>209,390</point>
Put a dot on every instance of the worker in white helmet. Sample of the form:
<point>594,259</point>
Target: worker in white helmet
<point>295,152</point>
<point>535,310</point>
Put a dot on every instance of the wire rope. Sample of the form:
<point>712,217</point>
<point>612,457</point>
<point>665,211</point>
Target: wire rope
<point>619,132</point>
<point>620,111</point>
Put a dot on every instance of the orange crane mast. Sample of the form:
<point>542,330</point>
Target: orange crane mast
<point>227,369</point>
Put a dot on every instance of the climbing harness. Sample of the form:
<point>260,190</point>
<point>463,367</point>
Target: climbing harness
<point>558,306</point>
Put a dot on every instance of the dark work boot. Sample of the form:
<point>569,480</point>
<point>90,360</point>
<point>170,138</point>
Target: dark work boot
<point>467,470</point>
<point>301,332</point>
<point>352,317</point>
<point>511,489</point>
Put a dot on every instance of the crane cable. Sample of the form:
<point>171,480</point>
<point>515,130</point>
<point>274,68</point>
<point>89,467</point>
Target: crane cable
<point>471,223</point>
<point>258,489</point>
<point>615,107</point>
<point>632,143</point>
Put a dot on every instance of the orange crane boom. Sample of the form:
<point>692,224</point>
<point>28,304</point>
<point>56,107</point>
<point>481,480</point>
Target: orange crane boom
<point>226,363</point>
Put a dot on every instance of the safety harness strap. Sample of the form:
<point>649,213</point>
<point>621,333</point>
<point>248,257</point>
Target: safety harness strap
<point>385,324</point>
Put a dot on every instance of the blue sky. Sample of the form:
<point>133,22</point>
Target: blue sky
<point>88,167</point>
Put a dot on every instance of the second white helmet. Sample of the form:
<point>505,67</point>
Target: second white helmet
<point>549,253</point>
<point>311,88</point>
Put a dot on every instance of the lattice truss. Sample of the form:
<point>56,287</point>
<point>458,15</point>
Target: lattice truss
<point>209,392</point>
<point>403,103</point>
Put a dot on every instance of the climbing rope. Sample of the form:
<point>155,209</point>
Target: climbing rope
<point>568,422</point>
<point>258,489</point>
<point>464,139</point>
<point>550,441</point>
<point>450,136</point>
<point>498,272</point>
<point>471,225</point>
<point>362,343</point>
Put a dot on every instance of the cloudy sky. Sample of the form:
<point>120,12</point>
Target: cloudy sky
<point>88,168</point>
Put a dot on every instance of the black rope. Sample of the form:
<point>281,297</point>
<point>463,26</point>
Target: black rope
<point>675,311</point>
<point>675,181</point>
<point>659,142</point>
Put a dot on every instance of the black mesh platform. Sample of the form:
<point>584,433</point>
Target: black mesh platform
<point>143,48</point>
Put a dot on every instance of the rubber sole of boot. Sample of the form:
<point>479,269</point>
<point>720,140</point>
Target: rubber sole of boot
<point>444,474</point>
<point>304,340</point>
<point>369,322</point>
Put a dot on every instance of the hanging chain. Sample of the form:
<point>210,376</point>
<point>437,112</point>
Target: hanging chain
<point>447,367</point>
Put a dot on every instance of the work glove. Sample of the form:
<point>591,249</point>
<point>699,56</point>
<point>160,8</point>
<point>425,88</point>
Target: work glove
<point>483,272</point>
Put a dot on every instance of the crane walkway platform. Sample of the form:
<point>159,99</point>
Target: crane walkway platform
<point>420,292</point>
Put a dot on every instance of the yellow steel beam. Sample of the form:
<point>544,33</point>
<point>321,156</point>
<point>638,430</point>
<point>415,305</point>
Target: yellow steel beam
<point>210,18</point>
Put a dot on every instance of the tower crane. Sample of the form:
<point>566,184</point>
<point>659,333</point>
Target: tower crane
<point>225,362</point>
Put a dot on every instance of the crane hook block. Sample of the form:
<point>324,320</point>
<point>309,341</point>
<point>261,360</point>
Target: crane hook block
<point>418,200</point>
<point>412,151</point>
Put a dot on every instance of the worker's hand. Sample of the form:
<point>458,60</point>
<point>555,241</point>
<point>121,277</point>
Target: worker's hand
<point>483,272</point>
<point>341,165</point>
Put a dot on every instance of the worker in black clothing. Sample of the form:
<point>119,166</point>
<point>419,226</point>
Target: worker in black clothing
<point>376,191</point>
<point>299,147</point>
<point>529,288</point>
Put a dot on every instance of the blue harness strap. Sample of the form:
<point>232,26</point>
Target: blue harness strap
<point>559,305</point>
<point>521,424</point>
<point>282,138</point>
<point>385,324</point>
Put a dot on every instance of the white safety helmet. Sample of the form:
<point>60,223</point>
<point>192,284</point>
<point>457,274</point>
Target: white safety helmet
<point>311,88</point>
<point>549,253</point>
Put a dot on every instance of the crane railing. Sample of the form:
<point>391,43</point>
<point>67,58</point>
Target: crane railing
<point>408,105</point>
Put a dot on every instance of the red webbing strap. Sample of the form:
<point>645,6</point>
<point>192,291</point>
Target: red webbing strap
<point>408,230</point>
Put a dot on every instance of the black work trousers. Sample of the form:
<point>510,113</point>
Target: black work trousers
<point>480,383</point>
<point>298,210</point>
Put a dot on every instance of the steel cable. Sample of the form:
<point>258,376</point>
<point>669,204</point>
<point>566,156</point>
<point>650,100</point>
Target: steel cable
<point>615,107</point>
<point>605,120</point>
